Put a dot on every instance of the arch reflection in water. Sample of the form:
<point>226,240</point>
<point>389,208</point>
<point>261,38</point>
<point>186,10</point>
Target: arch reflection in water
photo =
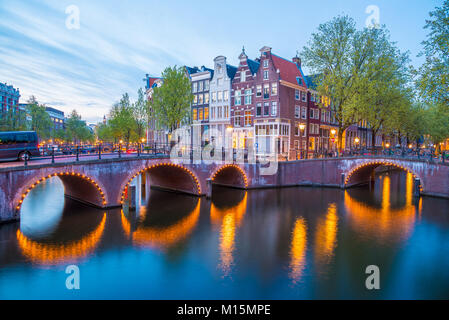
<point>227,215</point>
<point>389,222</point>
<point>49,197</point>
<point>298,249</point>
<point>167,220</point>
<point>326,237</point>
<point>54,229</point>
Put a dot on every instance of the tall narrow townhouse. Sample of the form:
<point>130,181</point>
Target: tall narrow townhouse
<point>220,102</point>
<point>200,78</point>
<point>155,132</point>
<point>243,107</point>
<point>322,134</point>
<point>281,96</point>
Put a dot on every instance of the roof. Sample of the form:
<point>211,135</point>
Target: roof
<point>231,70</point>
<point>151,81</point>
<point>253,65</point>
<point>311,81</point>
<point>289,71</point>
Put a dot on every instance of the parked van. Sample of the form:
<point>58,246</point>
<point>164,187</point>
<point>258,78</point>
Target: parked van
<point>18,145</point>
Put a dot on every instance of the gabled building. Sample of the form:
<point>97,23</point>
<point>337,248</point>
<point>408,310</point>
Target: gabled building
<point>200,79</point>
<point>280,95</point>
<point>9,98</point>
<point>220,101</point>
<point>155,133</point>
<point>242,102</point>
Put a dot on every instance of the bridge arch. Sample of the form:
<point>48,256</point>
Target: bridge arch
<point>362,172</point>
<point>230,175</point>
<point>167,175</point>
<point>77,186</point>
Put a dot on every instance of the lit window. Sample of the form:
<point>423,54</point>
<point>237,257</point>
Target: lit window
<point>206,113</point>
<point>200,114</point>
<point>225,95</point>
<point>206,97</point>
<point>274,89</point>
<point>247,118</point>
<point>195,114</point>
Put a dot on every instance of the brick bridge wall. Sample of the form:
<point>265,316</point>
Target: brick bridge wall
<point>102,182</point>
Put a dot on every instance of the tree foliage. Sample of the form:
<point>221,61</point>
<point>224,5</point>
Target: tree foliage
<point>171,101</point>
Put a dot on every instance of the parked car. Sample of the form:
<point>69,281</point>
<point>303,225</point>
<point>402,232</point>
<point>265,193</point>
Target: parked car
<point>18,145</point>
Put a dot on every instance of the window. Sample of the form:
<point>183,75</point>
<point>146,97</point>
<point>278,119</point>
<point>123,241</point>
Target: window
<point>266,109</point>
<point>323,115</point>
<point>237,118</point>
<point>297,95</point>
<point>274,89</point>
<point>297,144</point>
<point>219,112</point>
<point>304,96</point>
<point>248,96</point>
<point>259,110</point>
<point>311,114</point>
<point>225,95</point>
<point>212,113</point>
<point>247,118</point>
<point>206,113</point>
<point>274,108</point>
<point>200,86</point>
<point>206,85</point>
<point>195,114</point>
<point>265,74</point>
<point>194,87</point>
<point>200,113</point>
<point>297,110</point>
<point>200,98</point>
<point>258,90</point>
<point>195,99</point>
<point>206,97</point>
<point>220,95</point>
<point>237,98</point>
<point>226,111</point>
<point>311,128</point>
<point>299,80</point>
<point>297,130</point>
<point>265,64</point>
<point>214,96</point>
<point>303,112</point>
<point>266,91</point>
<point>243,76</point>
<point>317,114</point>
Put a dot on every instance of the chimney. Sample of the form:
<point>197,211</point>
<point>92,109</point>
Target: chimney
<point>297,60</point>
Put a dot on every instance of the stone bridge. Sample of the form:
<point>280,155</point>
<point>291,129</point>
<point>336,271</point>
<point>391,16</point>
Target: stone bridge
<point>104,183</point>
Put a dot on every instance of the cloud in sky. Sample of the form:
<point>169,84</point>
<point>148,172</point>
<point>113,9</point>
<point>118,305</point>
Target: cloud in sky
<point>120,41</point>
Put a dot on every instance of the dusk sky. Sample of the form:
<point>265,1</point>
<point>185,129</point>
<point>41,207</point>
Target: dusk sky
<point>118,42</point>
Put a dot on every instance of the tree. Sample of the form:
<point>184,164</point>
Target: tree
<point>40,119</point>
<point>433,79</point>
<point>104,133</point>
<point>171,101</point>
<point>13,120</point>
<point>341,56</point>
<point>141,110</point>
<point>122,122</point>
<point>76,129</point>
<point>438,124</point>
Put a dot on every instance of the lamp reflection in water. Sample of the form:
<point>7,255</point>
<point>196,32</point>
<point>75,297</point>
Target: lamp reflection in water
<point>385,223</point>
<point>53,254</point>
<point>326,236</point>
<point>228,219</point>
<point>298,250</point>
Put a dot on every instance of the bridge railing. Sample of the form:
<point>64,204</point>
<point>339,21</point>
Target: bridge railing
<point>188,152</point>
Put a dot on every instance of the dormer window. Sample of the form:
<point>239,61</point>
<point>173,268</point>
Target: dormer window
<point>299,80</point>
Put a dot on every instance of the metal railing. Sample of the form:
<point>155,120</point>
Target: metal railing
<point>159,150</point>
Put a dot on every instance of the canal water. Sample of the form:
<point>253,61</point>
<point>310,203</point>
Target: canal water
<point>290,243</point>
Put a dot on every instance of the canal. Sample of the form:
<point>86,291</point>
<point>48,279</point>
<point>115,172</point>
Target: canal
<point>290,243</point>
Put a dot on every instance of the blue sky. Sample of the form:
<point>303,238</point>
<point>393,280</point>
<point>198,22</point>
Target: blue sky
<point>118,42</point>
